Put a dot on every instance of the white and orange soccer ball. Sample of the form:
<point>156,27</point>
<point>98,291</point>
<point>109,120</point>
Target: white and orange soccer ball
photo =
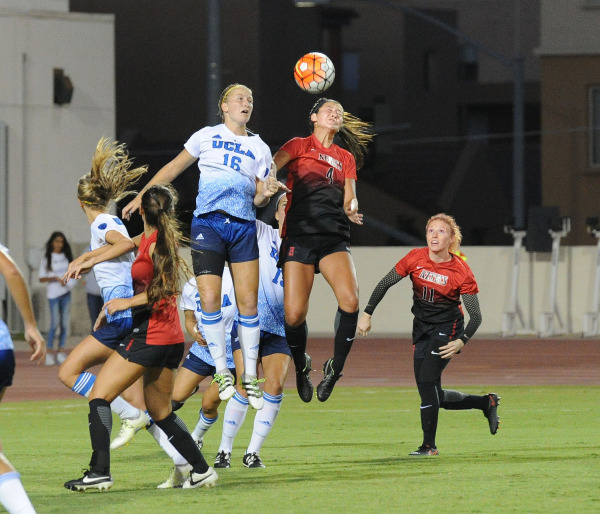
<point>314,72</point>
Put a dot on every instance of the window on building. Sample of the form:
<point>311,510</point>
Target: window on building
<point>595,126</point>
<point>429,70</point>
<point>350,71</point>
<point>468,70</point>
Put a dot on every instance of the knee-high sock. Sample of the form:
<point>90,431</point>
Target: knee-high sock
<point>122,408</point>
<point>100,419</point>
<point>296,338</point>
<point>214,331</point>
<point>181,439</point>
<point>345,330</point>
<point>203,425</point>
<point>249,334</point>
<point>455,400</point>
<point>163,441</point>
<point>264,421</point>
<point>430,408</point>
<point>235,414</point>
<point>12,494</point>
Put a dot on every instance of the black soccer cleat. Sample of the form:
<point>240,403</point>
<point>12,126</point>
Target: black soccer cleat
<point>305,388</point>
<point>252,460</point>
<point>90,480</point>
<point>425,451</point>
<point>325,388</point>
<point>223,460</point>
<point>491,413</point>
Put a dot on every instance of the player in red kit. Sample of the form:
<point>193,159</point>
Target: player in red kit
<point>440,279</point>
<point>322,180</point>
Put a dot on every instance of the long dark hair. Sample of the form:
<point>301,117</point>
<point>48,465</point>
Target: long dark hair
<point>66,249</point>
<point>158,204</point>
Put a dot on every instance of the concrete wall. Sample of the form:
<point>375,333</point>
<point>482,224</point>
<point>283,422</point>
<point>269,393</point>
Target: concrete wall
<point>50,146</point>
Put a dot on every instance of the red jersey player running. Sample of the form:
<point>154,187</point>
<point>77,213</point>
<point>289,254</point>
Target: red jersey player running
<point>440,278</point>
<point>321,177</point>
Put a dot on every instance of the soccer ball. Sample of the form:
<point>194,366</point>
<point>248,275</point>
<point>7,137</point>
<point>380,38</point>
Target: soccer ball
<point>314,72</point>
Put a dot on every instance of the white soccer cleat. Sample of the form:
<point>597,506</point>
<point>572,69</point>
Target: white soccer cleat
<point>196,480</point>
<point>129,427</point>
<point>225,381</point>
<point>255,395</point>
<point>177,477</point>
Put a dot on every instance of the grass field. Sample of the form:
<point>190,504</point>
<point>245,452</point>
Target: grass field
<point>347,455</point>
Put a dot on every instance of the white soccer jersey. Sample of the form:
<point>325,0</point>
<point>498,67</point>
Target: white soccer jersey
<point>113,276</point>
<point>270,290</point>
<point>229,165</point>
<point>6,342</point>
<point>190,301</point>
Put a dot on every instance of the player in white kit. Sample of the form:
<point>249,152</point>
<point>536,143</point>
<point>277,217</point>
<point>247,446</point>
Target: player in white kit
<point>12,494</point>
<point>110,255</point>
<point>236,176</point>
<point>274,352</point>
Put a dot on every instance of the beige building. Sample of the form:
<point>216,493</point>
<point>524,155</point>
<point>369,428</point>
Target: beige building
<point>570,79</point>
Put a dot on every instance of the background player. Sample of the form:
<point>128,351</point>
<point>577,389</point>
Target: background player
<point>440,278</point>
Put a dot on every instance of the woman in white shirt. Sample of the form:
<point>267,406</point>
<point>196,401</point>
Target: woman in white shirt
<point>54,265</point>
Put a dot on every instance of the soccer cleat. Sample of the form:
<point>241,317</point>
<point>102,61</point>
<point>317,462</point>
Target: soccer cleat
<point>90,480</point>
<point>252,460</point>
<point>255,395</point>
<point>303,384</point>
<point>129,427</point>
<point>177,477</point>
<point>325,388</point>
<point>491,413</point>
<point>225,381</point>
<point>425,451</point>
<point>199,442</point>
<point>223,460</point>
<point>196,480</point>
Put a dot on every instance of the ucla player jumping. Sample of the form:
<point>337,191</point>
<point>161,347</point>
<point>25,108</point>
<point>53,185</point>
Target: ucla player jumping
<point>236,176</point>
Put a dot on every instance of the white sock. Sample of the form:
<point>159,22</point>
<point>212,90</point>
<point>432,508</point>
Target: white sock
<point>124,409</point>
<point>163,441</point>
<point>13,496</point>
<point>249,334</point>
<point>264,421</point>
<point>235,414</point>
<point>214,332</point>
<point>203,425</point>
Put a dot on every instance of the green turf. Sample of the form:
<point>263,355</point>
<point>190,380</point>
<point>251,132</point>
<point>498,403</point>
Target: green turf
<point>347,455</point>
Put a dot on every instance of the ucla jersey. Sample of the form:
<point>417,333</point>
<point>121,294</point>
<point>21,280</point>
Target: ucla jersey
<point>270,290</point>
<point>113,276</point>
<point>229,165</point>
<point>190,301</point>
<point>6,342</point>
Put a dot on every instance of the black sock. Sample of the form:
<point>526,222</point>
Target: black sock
<point>296,339</point>
<point>181,439</point>
<point>430,408</point>
<point>455,400</point>
<point>176,405</point>
<point>100,418</point>
<point>345,330</point>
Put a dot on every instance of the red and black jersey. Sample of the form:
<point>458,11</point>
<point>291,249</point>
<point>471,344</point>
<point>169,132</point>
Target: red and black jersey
<point>164,326</point>
<point>317,177</point>
<point>437,286</point>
